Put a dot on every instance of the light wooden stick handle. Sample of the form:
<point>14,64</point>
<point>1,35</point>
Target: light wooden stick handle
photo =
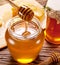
<point>55,57</point>
<point>14,5</point>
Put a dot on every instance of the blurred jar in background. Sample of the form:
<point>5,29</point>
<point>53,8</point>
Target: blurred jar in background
<point>53,22</point>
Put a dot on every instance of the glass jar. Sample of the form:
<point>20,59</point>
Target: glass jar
<point>53,22</point>
<point>24,48</point>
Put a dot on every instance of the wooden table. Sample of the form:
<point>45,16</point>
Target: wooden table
<point>48,48</point>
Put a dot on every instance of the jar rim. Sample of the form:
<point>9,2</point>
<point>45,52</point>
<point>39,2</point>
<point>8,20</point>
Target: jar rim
<point>14,35</point>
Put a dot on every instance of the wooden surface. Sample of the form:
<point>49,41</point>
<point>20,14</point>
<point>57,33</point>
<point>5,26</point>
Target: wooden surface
<point>48,48</point>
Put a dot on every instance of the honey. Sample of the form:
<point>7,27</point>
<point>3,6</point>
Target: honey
<point>53,31</point>
<point>53,22</point>
<point>24,48</point>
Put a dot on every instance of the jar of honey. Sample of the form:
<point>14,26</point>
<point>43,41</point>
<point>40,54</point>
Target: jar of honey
<point>53,22</point>
<point>24,47</point>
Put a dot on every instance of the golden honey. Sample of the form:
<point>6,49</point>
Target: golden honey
<point>53,22</point>
<point>24,48</point>
<point>52,31</point>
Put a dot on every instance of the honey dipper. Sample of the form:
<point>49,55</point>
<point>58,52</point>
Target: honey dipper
<point>54,58</point>
<point>23,11</point>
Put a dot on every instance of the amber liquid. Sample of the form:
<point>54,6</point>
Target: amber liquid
<point>53,31</point>
<point>24,49</point>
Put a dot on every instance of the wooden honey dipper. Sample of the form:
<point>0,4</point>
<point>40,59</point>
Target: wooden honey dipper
<point>23,11</point>
<point>54,58</point>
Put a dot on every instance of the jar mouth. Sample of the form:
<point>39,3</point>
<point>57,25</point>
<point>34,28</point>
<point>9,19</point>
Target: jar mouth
<point>16,35</point>
<point>55,14</point>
